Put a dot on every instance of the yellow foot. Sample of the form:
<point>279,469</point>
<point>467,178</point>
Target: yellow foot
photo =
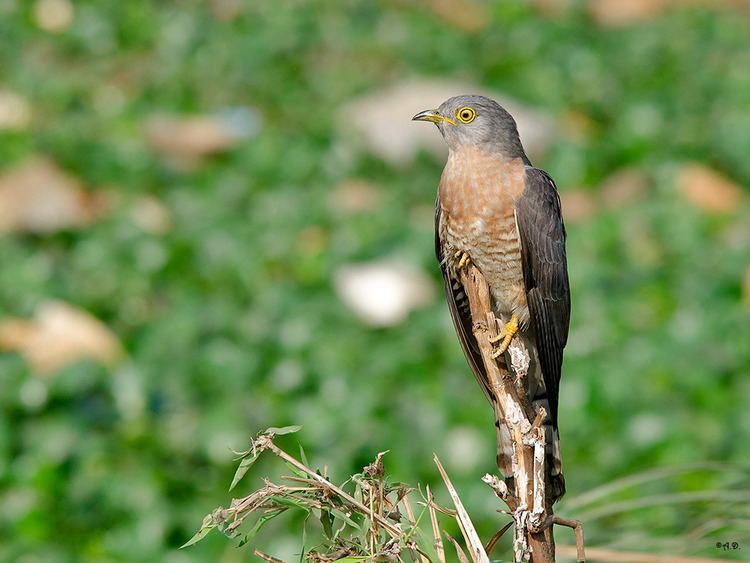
<point>465,259</point>
<point>505,336</point>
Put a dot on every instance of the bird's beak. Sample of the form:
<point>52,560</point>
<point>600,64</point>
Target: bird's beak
<point>432,115</point>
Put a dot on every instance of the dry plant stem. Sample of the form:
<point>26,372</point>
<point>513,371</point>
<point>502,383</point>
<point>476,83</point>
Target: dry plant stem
<point>578,528</point>
<point>528,503</point>
<point>459,552</point>
<point>409,511</point>
<point>266,557</point>
<point>496,538</point>
<point>476,549</point>
<point>413,521</point>
<point>390,528</point>
<point>435,529</point>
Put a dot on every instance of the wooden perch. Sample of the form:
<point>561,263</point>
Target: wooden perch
<point>533,516</point>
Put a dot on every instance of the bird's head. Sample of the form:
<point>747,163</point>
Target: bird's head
<point>475,121</point>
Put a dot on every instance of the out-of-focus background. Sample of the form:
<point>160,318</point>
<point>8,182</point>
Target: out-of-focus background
<point>217,217</point>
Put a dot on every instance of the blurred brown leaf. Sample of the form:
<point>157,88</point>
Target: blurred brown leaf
<point>53,15</point>
<point>577,205</point>
<point>615,13</point>
<point>707,189</point>
<point>185,140</point>
<point>464,14</point>
<point>15,111</point>
<point>618,12</point>
<point>226,10</point>
<point>37,196</point>
<point>57,336</point>
<point>150,214</point>
<point>188,137</point>
<point>624,187</point>
<point>355,196</point>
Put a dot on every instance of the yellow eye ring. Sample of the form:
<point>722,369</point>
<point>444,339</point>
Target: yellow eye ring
<point>466,114</point>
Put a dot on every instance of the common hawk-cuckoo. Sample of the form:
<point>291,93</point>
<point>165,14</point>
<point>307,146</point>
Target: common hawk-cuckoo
<point>497,211</point>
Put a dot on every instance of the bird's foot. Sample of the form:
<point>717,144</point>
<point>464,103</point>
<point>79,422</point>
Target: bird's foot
<point>505,336</point>
<point>465,259</point>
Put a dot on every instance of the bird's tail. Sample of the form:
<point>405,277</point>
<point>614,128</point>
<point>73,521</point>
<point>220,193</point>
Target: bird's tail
<point>552,461</point>
<point>553,458</point>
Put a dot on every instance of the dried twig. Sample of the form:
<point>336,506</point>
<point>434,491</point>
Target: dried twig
<point>266,557</point>
<point>513,409</point>
<point>459,551</point>
<point>496,538</point>
<point>435,529</point>
<point>410,516</point>
<point>476,549</point>
<point>390,528</point>
<point>578,528</point>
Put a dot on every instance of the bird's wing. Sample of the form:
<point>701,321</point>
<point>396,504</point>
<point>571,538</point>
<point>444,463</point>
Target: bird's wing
<point>545,273</point>
<point>458,304</point>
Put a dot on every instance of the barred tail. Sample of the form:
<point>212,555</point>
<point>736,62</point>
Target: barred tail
<point>552,462</point>
<point>553,458</point>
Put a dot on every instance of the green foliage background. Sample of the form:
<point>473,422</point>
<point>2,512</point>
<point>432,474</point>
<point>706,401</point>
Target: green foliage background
<point>231,324</point>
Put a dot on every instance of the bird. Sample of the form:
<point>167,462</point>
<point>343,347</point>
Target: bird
<point>495,210</point>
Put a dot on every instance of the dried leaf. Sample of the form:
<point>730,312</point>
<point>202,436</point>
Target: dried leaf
<point>355,196</point>
<point>459,551</point>
<point>59,335</point>
<point>708,190</point>
<point>37,196</point>
<point>468,15</point>
<point>53,15</point>
<point>624,187</point>
<point>15,111</point>
<point>577,205</point>
<point>618,13</point>
<point>151,215</point>
<point>184,140</point>
<point>476,548</point>
<point>226,10</point>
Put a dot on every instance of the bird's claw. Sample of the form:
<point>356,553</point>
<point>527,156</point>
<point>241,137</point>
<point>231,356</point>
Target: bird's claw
<point>465,259</point>
<point>505,337</point>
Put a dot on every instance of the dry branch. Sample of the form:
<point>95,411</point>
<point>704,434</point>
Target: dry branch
<point>435,528</point>
<point>532,514</point>
<point>476,549</point>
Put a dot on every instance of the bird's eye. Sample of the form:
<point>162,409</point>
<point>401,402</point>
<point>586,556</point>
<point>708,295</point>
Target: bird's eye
<point>466,114</point>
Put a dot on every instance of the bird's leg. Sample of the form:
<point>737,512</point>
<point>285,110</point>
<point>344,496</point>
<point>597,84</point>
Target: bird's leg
<point>505,336</point>
<point>465,259</point>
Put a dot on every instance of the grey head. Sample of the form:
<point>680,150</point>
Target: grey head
<point>473,120</point>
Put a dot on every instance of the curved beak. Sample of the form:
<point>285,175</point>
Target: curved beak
<point>433,116</point>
